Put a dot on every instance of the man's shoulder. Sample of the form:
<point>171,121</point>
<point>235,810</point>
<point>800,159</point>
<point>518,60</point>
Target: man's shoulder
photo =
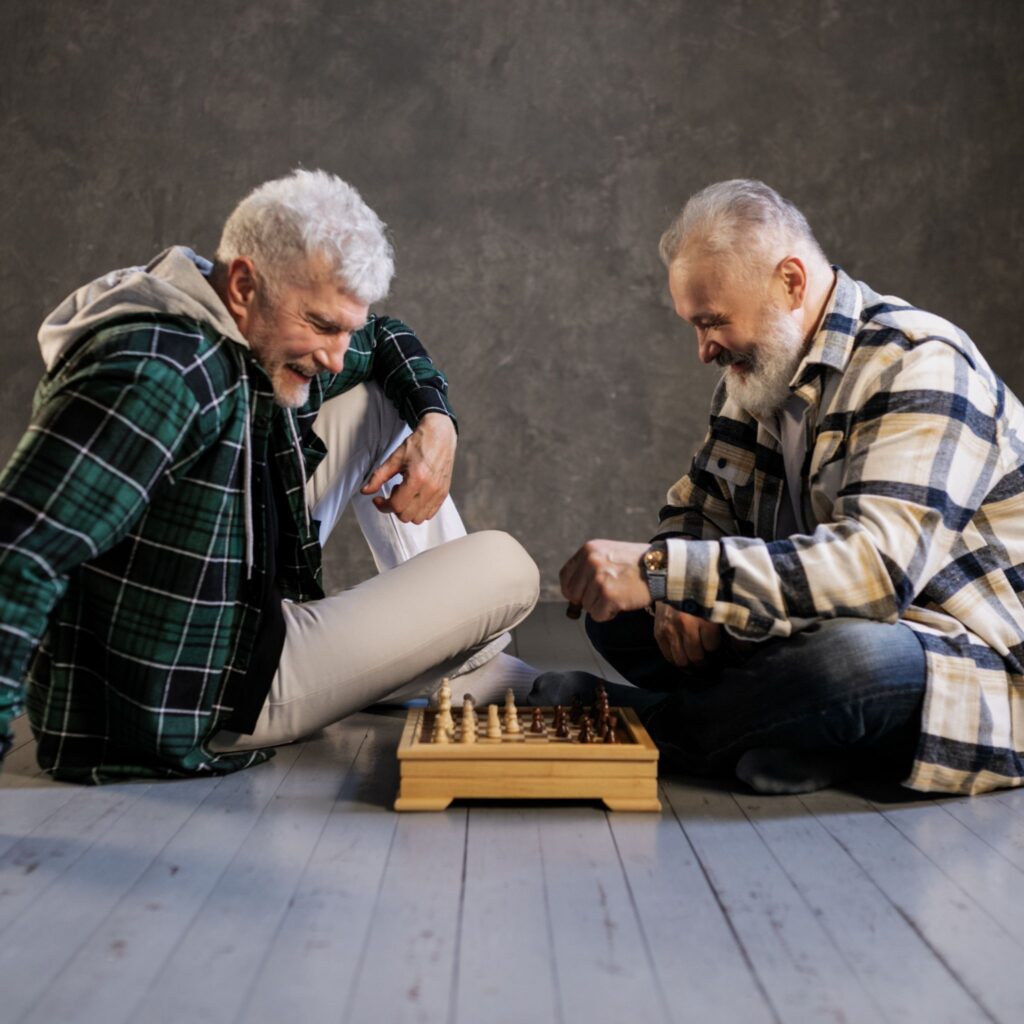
<point>890,315</point>
<point>172,346</point>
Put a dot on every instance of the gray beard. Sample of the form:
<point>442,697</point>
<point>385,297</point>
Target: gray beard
<point>765,387</point>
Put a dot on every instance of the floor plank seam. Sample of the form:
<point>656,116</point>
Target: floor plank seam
<point>555,977</point>
<point>457,953</point>
<point>300,877</point>
<point>360,966</point>
<point>648,952</point>
<point>215,883</point>
<point>822,924</point>
<point>911,923</point>
<point>952,880</point>
<point>713,889</point>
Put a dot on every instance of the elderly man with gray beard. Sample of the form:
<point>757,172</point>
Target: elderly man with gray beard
<point>199,429</point>
<point>835,587</point>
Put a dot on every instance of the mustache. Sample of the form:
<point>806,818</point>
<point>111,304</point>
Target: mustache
<point>727,358</point>
<point>306,371</point>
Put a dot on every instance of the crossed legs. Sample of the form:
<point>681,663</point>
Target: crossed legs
<point>442,604</point>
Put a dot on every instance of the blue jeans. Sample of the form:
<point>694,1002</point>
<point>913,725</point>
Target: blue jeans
<point>848,685</point>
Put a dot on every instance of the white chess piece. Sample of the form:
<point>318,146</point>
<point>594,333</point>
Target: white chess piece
<point>444,720</point>
<point>512,726</point>
<point>468,723</point>
<point>493,722</point>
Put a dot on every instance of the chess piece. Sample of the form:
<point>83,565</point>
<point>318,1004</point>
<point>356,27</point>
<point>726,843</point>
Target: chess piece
<point>493,722</point>
<point>468,734</point>
<point>609,733</point>
<point>575,709</point>
<point>512,726</point>
<point>586,734</point>
<point>561,723</point>
<point>444,720</point>
<point>440,733</point>
<point>537,725</point>
<point>467,698</point>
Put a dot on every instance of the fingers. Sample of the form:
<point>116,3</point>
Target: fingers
<point>391,466</point>
<point>684,639</point>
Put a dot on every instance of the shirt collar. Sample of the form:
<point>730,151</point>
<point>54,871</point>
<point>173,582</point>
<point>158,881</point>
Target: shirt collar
<point>832,343</point>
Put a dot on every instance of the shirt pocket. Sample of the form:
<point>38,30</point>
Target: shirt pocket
<point>733,472</point>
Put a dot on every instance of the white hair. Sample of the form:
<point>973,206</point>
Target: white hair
<point>743,220</point>
<point>283,225</point>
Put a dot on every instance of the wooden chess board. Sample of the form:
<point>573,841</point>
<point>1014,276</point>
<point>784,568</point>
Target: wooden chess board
<point>530,765</point>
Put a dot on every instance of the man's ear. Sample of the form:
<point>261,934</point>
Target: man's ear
<point>793,275</point>
<point>240,290</point>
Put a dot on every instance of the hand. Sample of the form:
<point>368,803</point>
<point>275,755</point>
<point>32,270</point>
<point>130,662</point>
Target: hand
<point>684,639</point>
<point>603,577</point>
<point>424,460</point>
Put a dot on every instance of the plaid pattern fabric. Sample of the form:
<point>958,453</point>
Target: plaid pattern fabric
<point>913,492</point>
<point>124,539</point>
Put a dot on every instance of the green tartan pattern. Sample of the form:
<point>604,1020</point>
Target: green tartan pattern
<point>127,609</point>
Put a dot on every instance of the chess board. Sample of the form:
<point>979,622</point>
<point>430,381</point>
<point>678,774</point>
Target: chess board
<point>528,765</point>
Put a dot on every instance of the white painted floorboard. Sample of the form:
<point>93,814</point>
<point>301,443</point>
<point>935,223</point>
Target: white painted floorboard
<point>292,892</point>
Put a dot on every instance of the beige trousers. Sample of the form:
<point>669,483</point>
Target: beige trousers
<point>442,604</point>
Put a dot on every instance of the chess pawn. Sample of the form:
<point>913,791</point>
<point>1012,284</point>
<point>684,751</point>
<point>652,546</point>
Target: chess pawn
<point>444,693</point>
<point>467,698</point>
<point>609,733</point>
<point>440,733</point>
<point>537,725</point>
<point>444,720</point>
<point>512,726</point>
<point>561,724</point>
<point>586,730</point>
<point>493,722</point>
<point>468,734</point>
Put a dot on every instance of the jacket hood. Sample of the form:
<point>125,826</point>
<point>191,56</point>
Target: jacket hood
<point>175,282</point>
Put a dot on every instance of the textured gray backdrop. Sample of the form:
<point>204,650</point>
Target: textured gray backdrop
<point>526,155</point>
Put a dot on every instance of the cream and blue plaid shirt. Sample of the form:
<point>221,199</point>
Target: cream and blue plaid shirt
<point>913,500</point>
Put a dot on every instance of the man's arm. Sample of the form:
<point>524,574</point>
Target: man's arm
<point>387,351</point>
<point>921,454</point>
<point>77,482</point>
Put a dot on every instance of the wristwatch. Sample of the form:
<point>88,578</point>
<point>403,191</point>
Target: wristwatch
<point>654,569</point>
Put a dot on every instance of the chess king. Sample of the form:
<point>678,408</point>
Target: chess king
<point>199,428</point>
<point>836,582</point>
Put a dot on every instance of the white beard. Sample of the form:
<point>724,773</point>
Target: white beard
<point>764,388</point>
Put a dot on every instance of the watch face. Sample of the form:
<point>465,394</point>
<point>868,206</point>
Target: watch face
<point>654,561</point>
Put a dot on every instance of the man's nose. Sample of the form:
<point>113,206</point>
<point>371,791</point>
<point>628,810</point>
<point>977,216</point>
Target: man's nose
<point>707,349</point>
<point>332,355</point>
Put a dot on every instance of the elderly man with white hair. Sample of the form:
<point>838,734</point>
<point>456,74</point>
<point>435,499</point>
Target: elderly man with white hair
<point>836,584</point>
<point>199,430</point>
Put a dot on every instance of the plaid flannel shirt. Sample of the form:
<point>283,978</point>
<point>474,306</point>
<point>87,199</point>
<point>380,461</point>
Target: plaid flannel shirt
<point>130,565</point>
<point>913,492</point>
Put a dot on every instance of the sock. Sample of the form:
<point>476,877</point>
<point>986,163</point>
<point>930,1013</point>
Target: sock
<point>778,770</point>
<point>488,683</point>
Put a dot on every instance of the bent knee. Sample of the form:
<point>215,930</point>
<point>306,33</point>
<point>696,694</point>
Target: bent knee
<point>507,564</point>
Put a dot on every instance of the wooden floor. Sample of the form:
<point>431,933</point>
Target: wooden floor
<point>292,892</point>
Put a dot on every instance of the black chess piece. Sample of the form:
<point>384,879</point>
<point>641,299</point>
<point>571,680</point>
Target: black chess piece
<point>610,735</point>
<point>537,725</point>
<point>575,709</point>
<point>586,730</point>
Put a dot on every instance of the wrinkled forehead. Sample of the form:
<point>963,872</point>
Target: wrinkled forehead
<point>703,284</point>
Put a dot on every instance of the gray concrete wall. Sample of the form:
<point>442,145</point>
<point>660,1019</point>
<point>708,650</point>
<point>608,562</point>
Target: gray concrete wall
<point>526,155</point>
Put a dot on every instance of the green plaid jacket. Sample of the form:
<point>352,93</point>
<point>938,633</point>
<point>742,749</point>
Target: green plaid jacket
<point>128,609</point>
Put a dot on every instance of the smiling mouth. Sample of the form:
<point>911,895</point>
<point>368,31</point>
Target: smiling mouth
<point>301,374</point>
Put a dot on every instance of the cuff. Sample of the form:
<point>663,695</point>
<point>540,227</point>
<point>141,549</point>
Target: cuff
<point>692,581</point>
<point>422,400</point>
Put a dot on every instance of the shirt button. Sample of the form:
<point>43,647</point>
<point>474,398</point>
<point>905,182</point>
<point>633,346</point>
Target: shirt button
<point>690,607</point>
<point>721,463</point>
